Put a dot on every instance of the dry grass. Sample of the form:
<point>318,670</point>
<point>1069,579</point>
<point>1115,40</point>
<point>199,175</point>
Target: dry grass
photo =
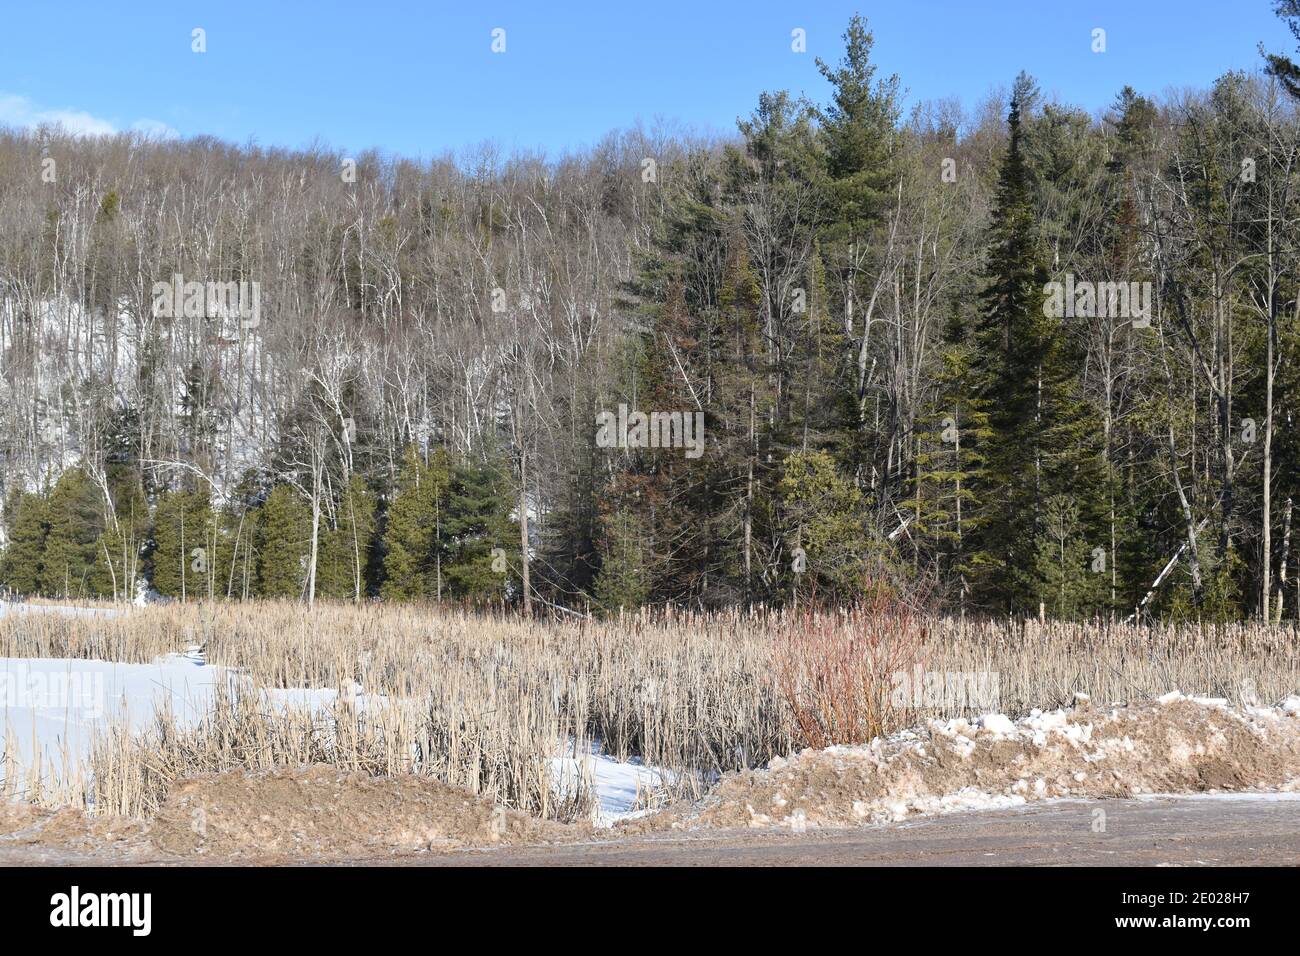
<point>483,702</point>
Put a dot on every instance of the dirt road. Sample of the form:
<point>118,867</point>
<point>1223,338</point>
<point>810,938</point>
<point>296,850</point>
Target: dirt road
<point>1232,829</point>
<point>1181,831</point>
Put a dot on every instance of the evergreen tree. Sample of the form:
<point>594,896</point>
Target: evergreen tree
<point>284,539</point>
<point>182,546</point>
<point>1073,576</point>
<point>859,140</point>
<point>346,543</point>
<point>824,403</point>
<point>624,580</point>
<point>949,463</point>
<point>825,517</point>
<point>741,414</point>
<point>571,558</point>
<point>22,564</point>
<point>475,523</point>
<point>1043,439</point>
<point>75,517</point>
<point>414,533</point>
<point>858,134</point>
<point>1281,66</point>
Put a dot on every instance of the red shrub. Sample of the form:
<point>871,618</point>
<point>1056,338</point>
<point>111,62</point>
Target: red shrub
<point>837,670</point>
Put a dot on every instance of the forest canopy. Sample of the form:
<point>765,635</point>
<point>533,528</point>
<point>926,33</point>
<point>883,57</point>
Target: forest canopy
<point>1024,360</point>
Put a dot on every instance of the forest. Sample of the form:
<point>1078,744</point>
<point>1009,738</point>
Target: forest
<point>1010,360</point>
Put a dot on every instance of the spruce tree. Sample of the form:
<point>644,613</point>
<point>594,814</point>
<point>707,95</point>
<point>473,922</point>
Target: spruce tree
<point>284,539</point>
<point>23,561</point>
<point>951,430</point>
<point>1009,343</point>
<point>624,581</point>
<point>182,545</point>
<point>475,523</point>
<point>1043,438</point>
<point>76,519</point>
<point>414,530</point>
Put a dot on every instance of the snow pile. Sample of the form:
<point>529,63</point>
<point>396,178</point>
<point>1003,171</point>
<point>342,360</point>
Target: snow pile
<point>1175,744</point>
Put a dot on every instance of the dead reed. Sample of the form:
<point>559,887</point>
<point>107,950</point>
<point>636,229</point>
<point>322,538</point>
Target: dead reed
<point>485,701</point>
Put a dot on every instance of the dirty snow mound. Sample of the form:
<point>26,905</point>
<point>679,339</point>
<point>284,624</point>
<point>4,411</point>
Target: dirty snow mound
<point>22,824</point>
<point>322,811</point>
<point>1175,744</point>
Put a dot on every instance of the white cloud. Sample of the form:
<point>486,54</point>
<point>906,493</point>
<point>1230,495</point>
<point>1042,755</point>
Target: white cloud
<point>21,112</point>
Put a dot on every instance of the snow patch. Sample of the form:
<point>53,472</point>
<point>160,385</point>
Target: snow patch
<point>622,788</point>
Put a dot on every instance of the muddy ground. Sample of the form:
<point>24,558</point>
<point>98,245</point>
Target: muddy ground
<point>1234,829</point>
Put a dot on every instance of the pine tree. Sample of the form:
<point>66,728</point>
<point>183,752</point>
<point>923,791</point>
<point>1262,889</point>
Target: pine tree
<point>858,133</point>
<point>76,519</point>
<point>414,533</point>
<point>22,564</point>
<point>1281,66</point>
<point>182,545</point>
<point>859,138</point>
<point>1043,439</point>
<point>284,537</point>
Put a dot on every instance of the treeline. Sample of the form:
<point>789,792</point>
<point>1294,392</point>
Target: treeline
<point>444,537</point>
<point>1022,361</point>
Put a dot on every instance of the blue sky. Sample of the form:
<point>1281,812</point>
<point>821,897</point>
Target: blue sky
<point>419,78</point>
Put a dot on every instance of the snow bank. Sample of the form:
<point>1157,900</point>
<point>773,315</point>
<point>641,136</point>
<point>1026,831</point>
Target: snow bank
<point>64,610</point>
<point>1174,744</point>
